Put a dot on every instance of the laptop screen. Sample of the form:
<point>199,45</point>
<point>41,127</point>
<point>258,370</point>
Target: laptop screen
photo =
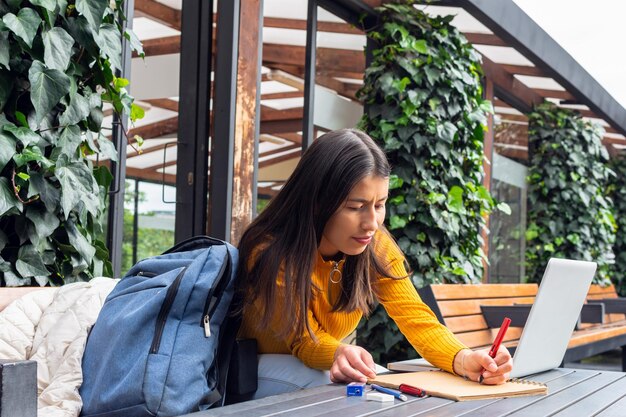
<point>553,316</point>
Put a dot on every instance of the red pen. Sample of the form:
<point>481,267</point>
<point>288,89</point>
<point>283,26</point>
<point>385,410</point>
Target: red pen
<point>497,342</point>
<point>411,390</point>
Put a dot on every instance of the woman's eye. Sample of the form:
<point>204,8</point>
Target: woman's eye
<point>354,208</point>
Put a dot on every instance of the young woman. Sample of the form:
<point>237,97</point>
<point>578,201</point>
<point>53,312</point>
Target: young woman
<point>318,258</point>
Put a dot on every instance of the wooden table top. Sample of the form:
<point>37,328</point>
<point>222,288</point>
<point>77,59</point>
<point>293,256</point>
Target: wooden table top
<point>571,392</point>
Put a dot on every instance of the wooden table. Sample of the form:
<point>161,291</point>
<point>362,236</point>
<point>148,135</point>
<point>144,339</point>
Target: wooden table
<point>571,392</point>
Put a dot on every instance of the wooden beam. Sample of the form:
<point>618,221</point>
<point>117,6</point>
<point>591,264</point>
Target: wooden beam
<point>248,87</point>
<point>156,129</point>
<point>288,94</point>
<point>523,70</point>
<point>150,176</point>
<point>300,24</point>
<point>329,58</point>
<point>278,159</point>
<point>164,103</point>
<point>484,39</point>
<point>278,127</point>
<point>519,154</point>
<point>159,12</point>
<point>161,46</point>
<point>560,94</point>
<point>269,114</point>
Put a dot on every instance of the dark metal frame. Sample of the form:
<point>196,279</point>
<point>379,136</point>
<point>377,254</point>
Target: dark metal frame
<point>308,129</point>
<point>193,118</point>
<point>224,107</point>
<point>115,224</point>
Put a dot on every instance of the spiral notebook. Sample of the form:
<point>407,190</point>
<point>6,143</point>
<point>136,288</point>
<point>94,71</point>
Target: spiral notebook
<point>446,385</point>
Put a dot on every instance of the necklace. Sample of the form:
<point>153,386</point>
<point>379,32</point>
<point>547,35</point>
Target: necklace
<point>335,273</point>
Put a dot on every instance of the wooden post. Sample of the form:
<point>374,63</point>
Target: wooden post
<point>487,167</point>
<point>246,117</point>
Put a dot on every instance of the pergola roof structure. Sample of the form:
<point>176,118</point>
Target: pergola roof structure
<point>520,75</point>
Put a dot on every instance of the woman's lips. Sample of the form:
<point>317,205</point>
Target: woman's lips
<point>363,240</point>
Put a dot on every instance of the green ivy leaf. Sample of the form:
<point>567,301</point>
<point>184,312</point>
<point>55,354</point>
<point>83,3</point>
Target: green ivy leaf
<point>136,112</point>
<point>135,43</point>
<point>44,221</point>
<point>24,25</point>
<point>110,43</point>
<point>4,50</point>
<point>69,141</point>
<point>57,48</point>
<point>420,46</point>
<point>77,186</point>
<point>8,201</point>
<point>31,154</point>
<point>93,10</point>
<point>504,208</point>
<point>24,135</point>
<point>77,111</point>
<point>48,193</point>
<point>21,118</point>
<point>79,242</point>
<point>107,149</point>
<point>30,265</point>
<point>14,4</point>
<point>48,86</point>
<point>396,222</point>
<point>395,182</point>
<point>49,5</point>
<point>7,149</point>
<point>455,200</point>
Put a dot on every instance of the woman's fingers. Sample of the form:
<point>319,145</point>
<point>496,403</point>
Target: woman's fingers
<point>352,363</point>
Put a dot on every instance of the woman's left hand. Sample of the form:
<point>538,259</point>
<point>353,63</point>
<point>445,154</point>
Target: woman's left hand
<point>472,364</point>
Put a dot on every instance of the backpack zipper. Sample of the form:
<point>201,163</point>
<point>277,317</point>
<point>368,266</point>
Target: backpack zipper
<point>165,309</point>
<point>214,292</point>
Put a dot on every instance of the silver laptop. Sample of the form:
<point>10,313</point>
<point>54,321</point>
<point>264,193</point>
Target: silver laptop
<point>553,316</point>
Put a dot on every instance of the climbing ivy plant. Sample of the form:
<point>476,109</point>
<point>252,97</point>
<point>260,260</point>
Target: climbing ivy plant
<point>424,106</point>
<point>617,192</point>
<point>569,213</point>
<point>58,60</point>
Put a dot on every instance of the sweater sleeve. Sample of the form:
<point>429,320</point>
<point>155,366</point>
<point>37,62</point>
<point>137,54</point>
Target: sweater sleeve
<point>318,354</point>
<point>432,340</point>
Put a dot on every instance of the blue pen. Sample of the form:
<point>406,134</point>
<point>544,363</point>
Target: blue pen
<point>396,394</point>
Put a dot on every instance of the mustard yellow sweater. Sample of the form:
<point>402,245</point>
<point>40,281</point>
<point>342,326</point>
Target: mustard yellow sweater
<point>415,320</point>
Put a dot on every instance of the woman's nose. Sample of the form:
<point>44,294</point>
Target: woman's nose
<point>369,221</point>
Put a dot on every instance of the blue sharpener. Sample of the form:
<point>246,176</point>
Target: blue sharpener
<point>355,389</point>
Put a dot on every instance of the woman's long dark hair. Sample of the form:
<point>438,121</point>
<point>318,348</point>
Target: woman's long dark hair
<point>285,237</point>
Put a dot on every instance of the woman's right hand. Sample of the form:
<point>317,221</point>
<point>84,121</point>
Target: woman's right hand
<point>352,364</point>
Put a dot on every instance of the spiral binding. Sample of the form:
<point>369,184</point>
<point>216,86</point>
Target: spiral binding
<point>526,381</point>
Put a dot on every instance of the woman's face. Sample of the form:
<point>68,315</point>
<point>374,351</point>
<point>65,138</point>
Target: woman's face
<point>352,226</point>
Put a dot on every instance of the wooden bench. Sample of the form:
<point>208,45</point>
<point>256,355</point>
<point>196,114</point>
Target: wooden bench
<point>462,307</point>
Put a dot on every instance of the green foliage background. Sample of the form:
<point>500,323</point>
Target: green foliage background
<point>57,65</point>
<point>424,105</point>
<point>617,192</point>
<point>569,213</point>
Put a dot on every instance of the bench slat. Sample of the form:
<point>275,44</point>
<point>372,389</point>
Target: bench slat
<point>466,323</point>
<point>472,291</point>
<point>485,337</point>
<point>466,307</point>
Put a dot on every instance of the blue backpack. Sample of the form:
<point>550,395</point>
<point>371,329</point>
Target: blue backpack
<point>159,342</point>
